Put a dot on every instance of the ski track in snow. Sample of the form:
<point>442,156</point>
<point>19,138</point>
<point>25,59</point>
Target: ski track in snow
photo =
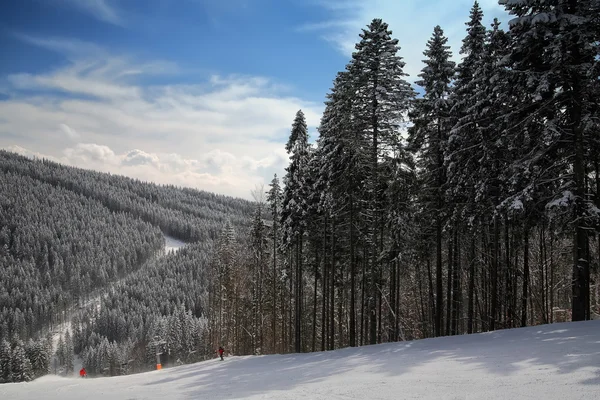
<point>551,362</point>
<point>172,245</point>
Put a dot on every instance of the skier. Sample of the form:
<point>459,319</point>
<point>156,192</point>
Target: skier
<point>221,352</point>
<point>82,373</point>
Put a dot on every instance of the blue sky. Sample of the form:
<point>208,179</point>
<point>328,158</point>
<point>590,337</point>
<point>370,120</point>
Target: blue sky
<point>197,93</point>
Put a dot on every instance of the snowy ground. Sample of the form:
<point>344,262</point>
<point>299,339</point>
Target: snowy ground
<point>551,362</point>
<point>171,245</point>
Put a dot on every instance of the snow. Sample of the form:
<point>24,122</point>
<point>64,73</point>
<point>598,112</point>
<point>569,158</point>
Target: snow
<point>567,198</point>
<point>517,204</point>
<point>558,361</point>
<point>172,244</point>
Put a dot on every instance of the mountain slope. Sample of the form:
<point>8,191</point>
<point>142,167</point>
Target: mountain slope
<point>557,361</point>
<point>68,234</point>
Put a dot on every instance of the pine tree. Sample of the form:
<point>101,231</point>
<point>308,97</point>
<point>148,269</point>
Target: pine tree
<point>227,258</point>
<point>274,199</point>
<point>258,237</point>
<point>20,366</point>
<point>174,336</point>
<point>60,351</point>
<point>343,156</point>
<point>428,138</point>
<point>293,212</point>
<point>68,353</point>
<point>5,361</point>
<point>461,182</point>
<point>477,159</point>
<point>554,58</point>
<point>382,97</point>
<point>489,145</point>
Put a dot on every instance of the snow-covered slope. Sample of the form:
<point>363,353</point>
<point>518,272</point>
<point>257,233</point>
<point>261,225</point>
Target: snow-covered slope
<point>172,244</point>
<point>559,361</point>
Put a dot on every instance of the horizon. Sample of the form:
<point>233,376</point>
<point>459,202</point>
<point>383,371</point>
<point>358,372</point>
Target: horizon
<point>156,91</point>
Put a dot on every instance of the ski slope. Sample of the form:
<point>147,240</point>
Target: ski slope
<point>172,245</point>
<point>553,362</point>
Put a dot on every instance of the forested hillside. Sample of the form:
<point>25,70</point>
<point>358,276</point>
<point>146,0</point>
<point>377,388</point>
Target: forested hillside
<point>163,304</point>
<point>66,234</point>
<point>472,206</point>
<point>186,214</point>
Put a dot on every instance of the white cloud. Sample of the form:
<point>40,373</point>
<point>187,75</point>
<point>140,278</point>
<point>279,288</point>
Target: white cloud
<point>233,175</point>
<point>99,9</point>
<point>225,134</point>
<point>86,152</point>
<point>70,132</point>
<point>72,48</point>
<point>412,22</point>
<point>140,157</point>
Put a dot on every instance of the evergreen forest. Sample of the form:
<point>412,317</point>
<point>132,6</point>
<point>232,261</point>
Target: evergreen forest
<point>466,202</point>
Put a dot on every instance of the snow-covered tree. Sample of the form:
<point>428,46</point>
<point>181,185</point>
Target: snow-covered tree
<point>382,98</point>
<point>554,57</point>
<point>68,353</point>
<point>428,138</point>
<point>20,366</point>
<point>39,356</point>
<point>340,190</point>
<point>274,200</point>
<point>5,361</point>
<point>293,211</point>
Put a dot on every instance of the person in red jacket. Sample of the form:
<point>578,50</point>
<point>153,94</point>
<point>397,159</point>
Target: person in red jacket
<point>221,351</point>
<point>82,373</point>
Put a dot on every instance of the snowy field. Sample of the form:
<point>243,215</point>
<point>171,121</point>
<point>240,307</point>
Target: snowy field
<point>552,362</point>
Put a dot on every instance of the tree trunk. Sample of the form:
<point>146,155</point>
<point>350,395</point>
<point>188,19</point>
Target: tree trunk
<point>543,275</point>
<point>525,296</point>
<point>508,275</point>
<point>391,317</point>
<point>456,297</point>
<point>298,296</point>
<point>432,309</point>
<point>352,277</point>
<point>363,306</point>
<point>380,278</point>
<point>316,283</point>
<point>494,277</point>
<point>374,209</point>
<point>274,300</point>
<point>551,285</point>
<point>597,167</point>
<point>439,292</point>
<point>470,309</point>
<point>449,282</point>
<point>581,266</point>
<point>291,297</point>
<point>332,286</point>
<point>397,308</point>
<point>324,289</point>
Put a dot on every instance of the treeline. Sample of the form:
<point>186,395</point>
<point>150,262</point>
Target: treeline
<point>187,214</point>
<point>471,208</point>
